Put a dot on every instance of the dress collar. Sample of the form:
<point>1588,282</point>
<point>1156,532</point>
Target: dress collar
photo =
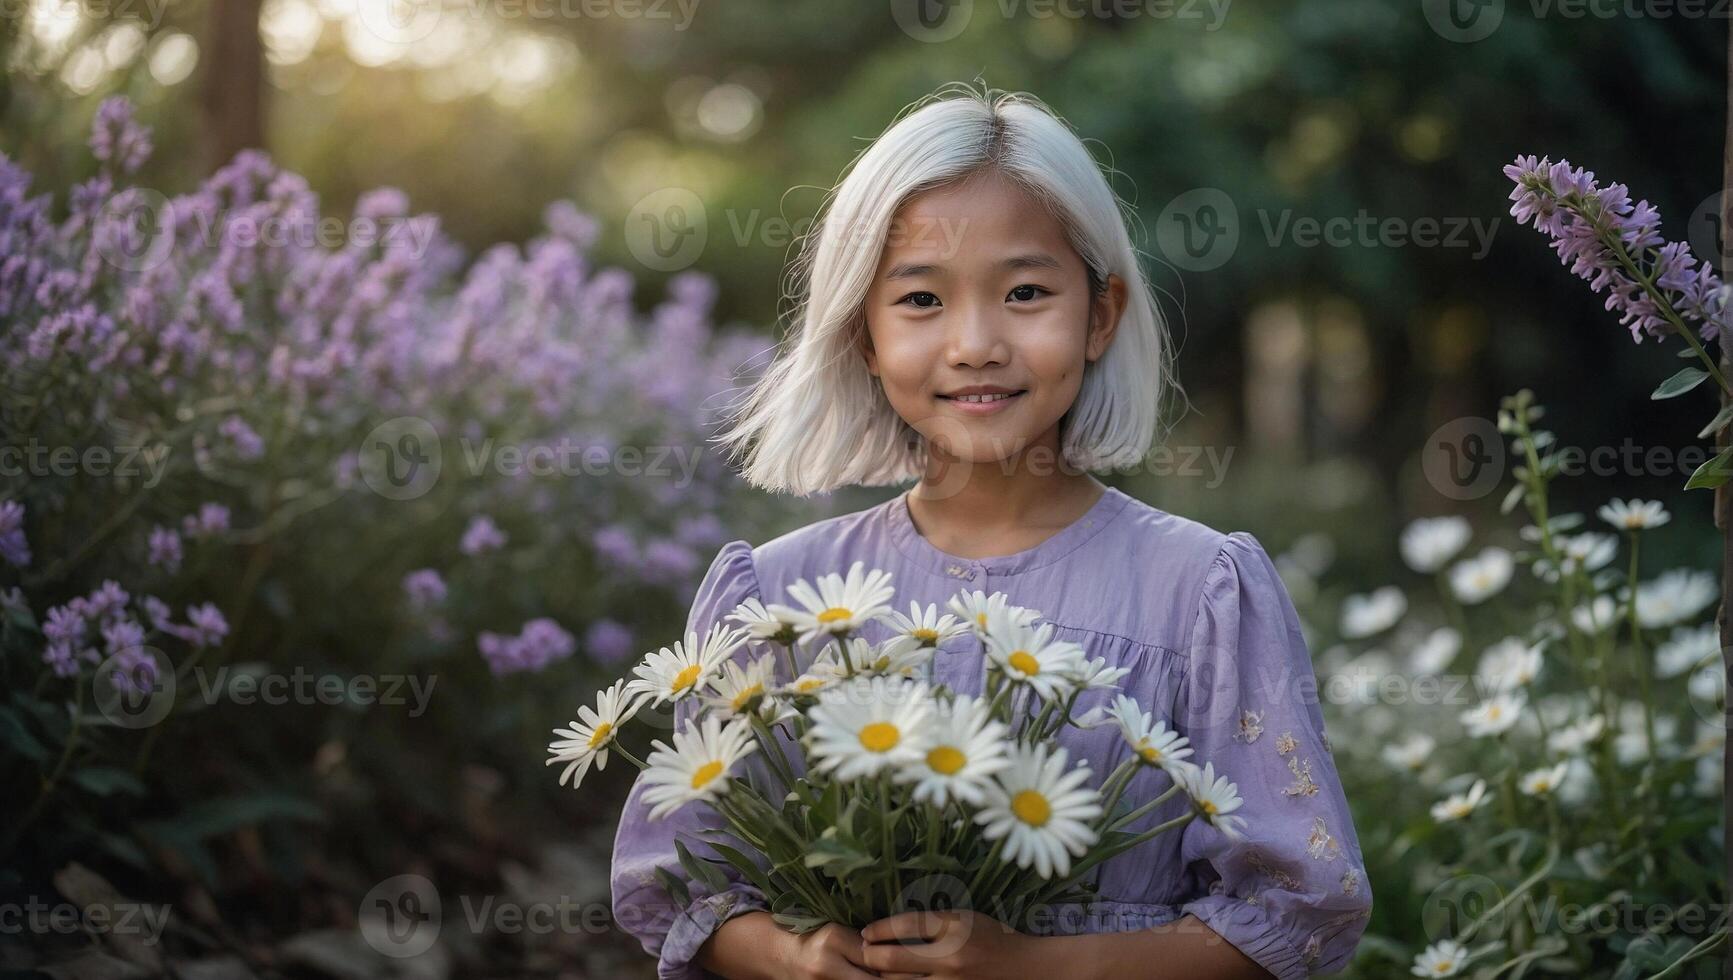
<point>919,550</point>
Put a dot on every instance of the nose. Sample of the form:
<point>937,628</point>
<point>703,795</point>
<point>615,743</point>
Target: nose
<point>974,338</point>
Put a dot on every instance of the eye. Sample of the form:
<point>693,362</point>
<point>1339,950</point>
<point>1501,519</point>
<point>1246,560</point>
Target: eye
<point>1027,292</point>
<point>920,296</point>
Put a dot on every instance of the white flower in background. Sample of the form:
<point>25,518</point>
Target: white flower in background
<point>697,767</point>
<point>837,604</point>
<point>980,610</point>
<point>1584,552</point>
<point>1508,665</point>
<point>926,627</point>
<point>1634,515</point>
<point>1459,806</point>
<point>1576,737</point>
<point>590,735</point>
<point>1631,744</point>
<point>1595,617</point>
<point>1373,612</point>
<point>1436,652</point>
<point>1542,781</point>
<point>1411,753</point>
<point>1711,740</point>
<point>966,749</point>
<point>1150,737</point>
<point>1429,542</point>
<point>1675,597</point>
<point>1686,649</point>
<point>1029,655</point>
<point>1711,777</point>
<point>1494,716</point>
<point>1477,579</point>
<point>1213,797</point>
<point>1041,809</point>
<point>1708,684</point>
<point>1095,675</point>
<point>889,659</point>
<point>740,692</point>
<point>1444,958</point>
<point>1578,784</point>
<point>1358,681</point>
<point>762,624</point>
<point>867,724</point>
<point>678,672</point>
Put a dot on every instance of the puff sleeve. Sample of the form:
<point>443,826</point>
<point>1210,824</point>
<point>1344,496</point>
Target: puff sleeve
<point>1292,894</point>
<point>641,906</point>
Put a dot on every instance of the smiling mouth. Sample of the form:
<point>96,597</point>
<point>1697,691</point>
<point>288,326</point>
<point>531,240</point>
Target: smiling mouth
<point>980,399</point>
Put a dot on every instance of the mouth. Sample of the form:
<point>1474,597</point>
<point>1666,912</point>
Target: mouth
<point>983,396</point>
<point>983,403</point>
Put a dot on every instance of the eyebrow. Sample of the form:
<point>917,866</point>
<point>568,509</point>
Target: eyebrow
<point>1028,260</point>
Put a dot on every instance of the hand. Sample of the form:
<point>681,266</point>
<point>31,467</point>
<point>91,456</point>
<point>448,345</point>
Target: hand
<point>830,952</point>
<point>953,946</point>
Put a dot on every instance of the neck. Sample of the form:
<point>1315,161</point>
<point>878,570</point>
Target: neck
<point>1031,489</point>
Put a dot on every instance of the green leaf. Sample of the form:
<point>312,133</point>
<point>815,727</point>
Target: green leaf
<point>104,781</point>
<point>1713,472</point>
<point>1511,499</point>
<point>1678,384</point>
<point>224,814</point>
<point>701,871</point>
<point>800,925</point>
<point>743,864</point>
<point>675,888</point>
<point>1721,418</point>
<point>15,735</point>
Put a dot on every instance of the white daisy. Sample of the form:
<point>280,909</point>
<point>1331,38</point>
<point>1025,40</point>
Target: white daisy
<point>1431,541</point>
<point>1477,579</point>
<point>1686,649</point>
<point>837,604</point>
<point>1411,753</point>
<point>762,624</point>
<point>966,748</point>
<point>1029,655</point>
<point>1631,744</point>
<point>589,737</point>
<point>697,767</point>
<point>1459,806</point>
<point>1095,675</point>
<point>1540,782</point>
<point>863,725</point>
<point>1149,737</point>
<point>1374,612</point>
<point>1041,810</point>
<point>1436,652</point>
<point>923,627</point>
<point>1214,798</point>
<point>678,672</point>
<point>1577,736</point>
<point>1707,685</point>
<point>1596,616</point>
<point>1441,959</point>
<point>980,610</point>
<point>1675,597</point>
<point>1494,716</point>
<point>1634,515</point>
<point>1584,552</point>
<point>742,692</point>
<point>1508,665</point>
<point>889,658</point>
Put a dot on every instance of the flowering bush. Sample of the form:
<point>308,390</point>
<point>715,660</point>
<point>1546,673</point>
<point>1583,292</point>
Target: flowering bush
<point>876,771</point>
<point>232,442</point>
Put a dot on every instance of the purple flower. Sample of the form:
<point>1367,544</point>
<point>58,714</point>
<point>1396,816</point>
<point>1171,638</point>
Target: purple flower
<point>424,588</point>
<point>211,519</point>
<point>608,642</point>
<point>246,442</point>
<point>14,547</point>
<point>205,625</point>
<point>541,642</point>
<point>117,138</point>
<point>62,658</point>
<point>120,635</point>
<point>159,613</point>
<point>108,601</point>
<point>669,562</point>
<point>165,548</point>
<point>135,670</point>
<point>65,625</point>
<point>481,535</point>
<point>614,543</point>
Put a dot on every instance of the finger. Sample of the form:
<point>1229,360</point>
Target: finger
<point>903,925</point>
<point>842,969</point>
<point>889,958</point>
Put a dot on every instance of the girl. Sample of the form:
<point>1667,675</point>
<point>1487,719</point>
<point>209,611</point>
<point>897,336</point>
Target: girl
<point>974,319</point>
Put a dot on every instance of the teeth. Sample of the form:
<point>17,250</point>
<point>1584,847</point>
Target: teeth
<point>980,398</point>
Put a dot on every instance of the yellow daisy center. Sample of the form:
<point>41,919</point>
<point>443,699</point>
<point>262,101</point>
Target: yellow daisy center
<point>1493,712</point>
<point>946,760</point>
<point>881,663</point>
<point>835,614</point>
<point>1032,808</point>
<point>925,635</point>
<point>705,773</point>
<point>745,697</point>
<point>808,684</point>
<point>600,735</point>
<point>981,620</point>
<point>880,736</point>
<point>685,679</point>
<point>1023,661</point>
<point>1150,753</point>
<point>1208,806</point>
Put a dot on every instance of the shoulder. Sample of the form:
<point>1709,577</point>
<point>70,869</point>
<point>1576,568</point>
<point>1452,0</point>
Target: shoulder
<point>825,545</point>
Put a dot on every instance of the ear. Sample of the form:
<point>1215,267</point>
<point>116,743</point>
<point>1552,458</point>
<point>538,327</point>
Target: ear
<point>864,344</point>
<point>1105,312</point>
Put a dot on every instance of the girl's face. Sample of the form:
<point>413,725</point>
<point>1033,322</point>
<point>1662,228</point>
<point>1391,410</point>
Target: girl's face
<point>979,291</point>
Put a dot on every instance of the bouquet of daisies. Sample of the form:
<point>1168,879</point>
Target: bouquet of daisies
<point>883,791</point>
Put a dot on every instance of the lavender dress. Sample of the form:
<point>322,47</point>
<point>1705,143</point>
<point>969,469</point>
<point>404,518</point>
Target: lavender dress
<point>1214,648</point>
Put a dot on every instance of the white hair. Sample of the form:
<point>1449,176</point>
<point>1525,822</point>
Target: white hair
<point>817,419</point>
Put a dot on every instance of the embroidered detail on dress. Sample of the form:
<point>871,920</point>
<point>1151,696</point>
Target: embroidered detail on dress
<point>1303,785</point>
<point>1286,743</point>
<point>1319,844</point>
<point>1351,881</point>
<point>1280,877</point>
<point>1251,726</point>
<point>724,905</point>
<point>1313,947</point>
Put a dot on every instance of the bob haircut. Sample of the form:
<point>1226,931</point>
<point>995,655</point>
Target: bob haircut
<point>817,420</point>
